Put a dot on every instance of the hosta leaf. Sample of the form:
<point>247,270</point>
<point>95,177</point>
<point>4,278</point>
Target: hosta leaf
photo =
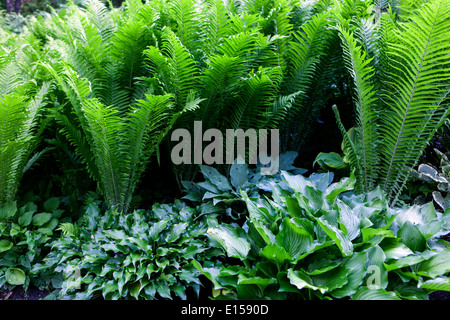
<point>369,233</point>
<point>5,245</point>
<point>40,219</point>
<point>394,248</point>
<point>298,183</point>
<point>409,260</point>
<point>51,204</point>
<point>341,240</point>
<point>238,174</point>
<point>330,160</point>
<point>157,228</point>
<point>412,237</point>
<point>437,265</point>
<point>355,277</point>
<point>15,276</point>
<point>332,279</point>
<point>440,283</point>
<point>375,267</point>
<point>262,283</point>
<point>294,239</point>
<point>231,240</point>
<point>8,210</point>
<point>349,219</point>
<point>365,293</point>
<point>176,231</point>
<point>220,181</point>
<point>25,218</point>
<point>275,253</point>
<point>302,280</point>
<point>164,290</point>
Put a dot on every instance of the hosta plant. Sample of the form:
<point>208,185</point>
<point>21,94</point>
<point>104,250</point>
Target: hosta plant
<point>24,231</point>
<point>140,255</point>
<point>314,239</point>
<point>218,194</point>
<point>436,180</point>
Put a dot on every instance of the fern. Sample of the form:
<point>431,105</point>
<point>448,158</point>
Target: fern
<point>410,105</point>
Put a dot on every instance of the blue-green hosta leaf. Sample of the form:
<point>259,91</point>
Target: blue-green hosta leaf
<point>412,214</point>
<point>233,241</point>
<point>238,174</point>
<point>437,265</point>
<point>365,293</point>
<point>322,180</point>
<point>412,237</point>
<point>217,179</point>
<point>355,277</point>
<point>257,212</point>
<point>341,240</point>
<point>286,160</point>
<point>377,273</point>
<point>275,253</point>
<point>349,219</point>
<point>15,276</point>
<point>408,260</point>
<point>440,283</point>
<point>293,238</point>
<point>335,189</point>
<point>298,183</point>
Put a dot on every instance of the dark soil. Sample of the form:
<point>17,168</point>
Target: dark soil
<point>18,293</point>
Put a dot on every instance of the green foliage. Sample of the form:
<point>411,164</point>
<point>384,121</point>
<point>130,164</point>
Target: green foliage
<point>22,99</point>
<point>313,239</point>
<point>140,255</point>
<point>437,182</point>
<point>24,231</point>
<point>113,123</point>
<point>401,87</point>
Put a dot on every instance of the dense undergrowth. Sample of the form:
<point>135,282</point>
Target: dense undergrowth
<point>92,205</point>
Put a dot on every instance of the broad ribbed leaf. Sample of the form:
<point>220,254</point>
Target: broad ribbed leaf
<point>231,240</point>
<point>341,240</point>
<point>293,238</point>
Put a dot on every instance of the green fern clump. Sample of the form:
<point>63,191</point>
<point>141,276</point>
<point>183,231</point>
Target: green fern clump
<point>401,85</point>
<point>22,98</point>
<point>110,117</point>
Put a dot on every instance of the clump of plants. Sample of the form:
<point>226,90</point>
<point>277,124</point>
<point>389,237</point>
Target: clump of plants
<point>24,232</point>
<point>314,239</point>
<point>145,254</point>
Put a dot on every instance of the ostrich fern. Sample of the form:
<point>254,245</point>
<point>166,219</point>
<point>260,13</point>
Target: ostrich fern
<point>21,103</point>
<point>112,120</point>
<point>397,120</point>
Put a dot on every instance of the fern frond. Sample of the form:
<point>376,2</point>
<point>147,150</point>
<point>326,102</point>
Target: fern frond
<point>358,66</point>
<point>419,78</point>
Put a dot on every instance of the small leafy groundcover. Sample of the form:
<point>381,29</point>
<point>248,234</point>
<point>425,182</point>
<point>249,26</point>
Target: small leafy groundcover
<point>24,231</point>
<point>309,238</point>
<point>140,255</point>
